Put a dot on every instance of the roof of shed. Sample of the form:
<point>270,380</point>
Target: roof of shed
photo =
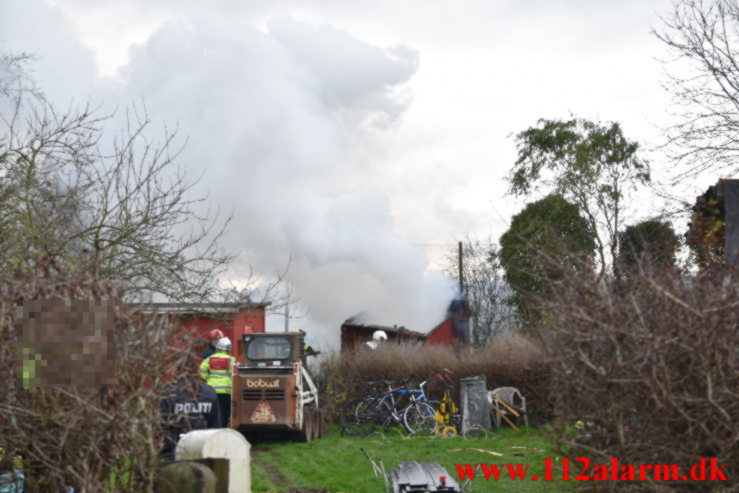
<point>196,308</point>
<point>395,330</point>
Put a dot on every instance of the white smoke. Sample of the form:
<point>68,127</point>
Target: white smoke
<point>283,122</point>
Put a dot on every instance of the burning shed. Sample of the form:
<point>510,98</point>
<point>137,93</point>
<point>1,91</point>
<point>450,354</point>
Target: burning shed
<point>453,330</point>
<point>354,333</point>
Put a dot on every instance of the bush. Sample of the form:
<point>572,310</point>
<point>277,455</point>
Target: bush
<point>105,435</point>
<point>647,370</point>
<point>508,360</point>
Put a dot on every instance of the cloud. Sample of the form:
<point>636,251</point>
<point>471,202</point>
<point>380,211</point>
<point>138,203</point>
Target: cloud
<point>280,121</point>
<point>344,72</point>
<point>64,68</point>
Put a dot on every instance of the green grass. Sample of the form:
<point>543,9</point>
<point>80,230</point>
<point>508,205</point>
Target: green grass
<point>336,463</point>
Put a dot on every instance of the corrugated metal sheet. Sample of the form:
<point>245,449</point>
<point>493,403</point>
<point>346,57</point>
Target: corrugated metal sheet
<point>417,477</point>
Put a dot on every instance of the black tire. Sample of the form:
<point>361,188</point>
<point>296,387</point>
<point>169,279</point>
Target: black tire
<point>358,417</point>
<point>321,423</point>
<point>316,424</point>
<point>418,419</point>
<point>306,434</point>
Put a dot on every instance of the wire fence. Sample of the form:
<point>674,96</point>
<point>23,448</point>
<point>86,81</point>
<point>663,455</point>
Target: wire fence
<point>473,265</point>
<point>442,257</point>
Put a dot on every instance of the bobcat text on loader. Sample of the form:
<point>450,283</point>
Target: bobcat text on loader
<point>272,389</point>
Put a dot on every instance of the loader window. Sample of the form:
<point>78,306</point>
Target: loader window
<point>269,348</point>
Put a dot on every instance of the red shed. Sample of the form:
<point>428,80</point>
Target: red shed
<point>233,319</point>
<point>455,329</point>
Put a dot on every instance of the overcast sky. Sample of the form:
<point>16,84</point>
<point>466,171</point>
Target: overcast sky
<point>344,133</point>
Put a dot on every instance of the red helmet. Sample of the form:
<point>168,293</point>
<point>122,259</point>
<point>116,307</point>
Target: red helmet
<point>215,334</point>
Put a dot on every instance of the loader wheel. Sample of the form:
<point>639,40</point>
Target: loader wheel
<point>318,424</point>
<point>306,434</point>
<point>314,420</point>
<point>321,423</point>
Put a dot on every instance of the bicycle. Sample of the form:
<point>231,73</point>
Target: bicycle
<point>360,416</point>
<point>418,415</point>
<point>349,418</point>
<point>427,417</point>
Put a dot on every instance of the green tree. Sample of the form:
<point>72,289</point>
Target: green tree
<point>654,241</point>
<point>590,164</point>
<point>546,239</point>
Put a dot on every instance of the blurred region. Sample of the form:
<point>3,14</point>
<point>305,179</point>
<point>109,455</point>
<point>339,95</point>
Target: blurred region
<point>84,377</point>
<point>67,342</point>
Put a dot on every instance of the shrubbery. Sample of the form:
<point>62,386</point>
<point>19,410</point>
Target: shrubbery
<point>95,437</point>
<point>646,370</point>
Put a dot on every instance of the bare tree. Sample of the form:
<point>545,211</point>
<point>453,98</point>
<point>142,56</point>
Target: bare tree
<point>486,292</point>
<point>703,77</point>
<point>14,78</point>
<point>127,212</point>
<point>275,290</point>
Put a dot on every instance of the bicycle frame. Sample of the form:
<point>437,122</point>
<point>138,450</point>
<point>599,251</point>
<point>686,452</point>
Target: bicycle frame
<point>386,404</point>
<point>382,407</point>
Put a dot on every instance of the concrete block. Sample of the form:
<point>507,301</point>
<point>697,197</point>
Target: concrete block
<point>216,446</point>
<point>185,477</point>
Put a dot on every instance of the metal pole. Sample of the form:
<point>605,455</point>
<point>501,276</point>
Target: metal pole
<point>287,313</point>
<point>461,275</point>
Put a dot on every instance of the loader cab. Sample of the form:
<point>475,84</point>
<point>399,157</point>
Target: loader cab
<point>271,349</point>
<point>272,390</point>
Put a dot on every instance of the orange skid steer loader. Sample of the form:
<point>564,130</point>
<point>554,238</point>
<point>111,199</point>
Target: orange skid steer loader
<point>272,390</point>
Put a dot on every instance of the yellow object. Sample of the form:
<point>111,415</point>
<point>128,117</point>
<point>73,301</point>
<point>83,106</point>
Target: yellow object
<point>217,371</point>
<point>443,415</point>
<point>445,431</point>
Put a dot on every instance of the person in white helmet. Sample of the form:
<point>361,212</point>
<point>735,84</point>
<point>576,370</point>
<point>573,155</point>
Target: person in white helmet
<point>377,338</point>
<point>217,371</point>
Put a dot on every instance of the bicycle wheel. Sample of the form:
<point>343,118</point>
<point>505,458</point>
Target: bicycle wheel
<point>359,417</point>
<point>418,419</point>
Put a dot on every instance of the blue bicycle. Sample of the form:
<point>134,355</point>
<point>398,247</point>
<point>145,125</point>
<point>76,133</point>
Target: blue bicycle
<point>361,416</point>
<point>419,415</point>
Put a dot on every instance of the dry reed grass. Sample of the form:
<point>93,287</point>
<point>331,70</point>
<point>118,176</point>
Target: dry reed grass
<point>508,360</point>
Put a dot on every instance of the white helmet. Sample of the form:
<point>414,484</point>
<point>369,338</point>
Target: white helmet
<point>223,344</point>
<point>379,335</point>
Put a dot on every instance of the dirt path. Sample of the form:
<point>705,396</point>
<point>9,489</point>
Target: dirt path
<point>260,458</point>
<point>273,472</point>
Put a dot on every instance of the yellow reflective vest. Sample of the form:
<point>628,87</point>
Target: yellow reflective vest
<point>217,370</point>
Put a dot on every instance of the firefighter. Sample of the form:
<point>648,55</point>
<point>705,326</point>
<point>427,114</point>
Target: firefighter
<point>213,337</point>
<point>217,371</point>
<point>309,350</point>
<point>378,338</point>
